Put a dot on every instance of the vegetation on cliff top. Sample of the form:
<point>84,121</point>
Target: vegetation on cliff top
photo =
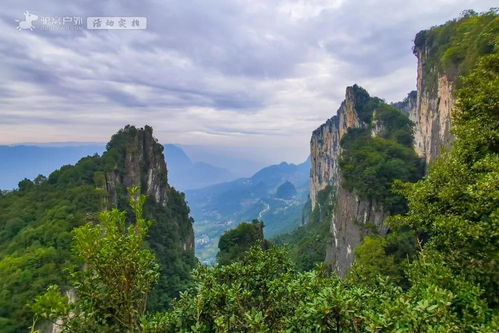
<point>370,164</point>
<point>455,47</point>
<point>234,243</point>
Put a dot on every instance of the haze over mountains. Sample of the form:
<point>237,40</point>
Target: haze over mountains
<point>189,166</point>
<point>276,195</point>
<point>219,198</point>
<point>29,161</point>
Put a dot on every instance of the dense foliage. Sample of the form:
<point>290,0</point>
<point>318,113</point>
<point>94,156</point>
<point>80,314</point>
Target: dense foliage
<point>447,282</point>
<point>35,231</point>
<point>35,238</point>
<point>458,202</point>
<point>307,244</point>
<point>454,48</point>
<point>264,293</point>
<point>370,164</point>
<point>236,242</point>
<point>110,292</point>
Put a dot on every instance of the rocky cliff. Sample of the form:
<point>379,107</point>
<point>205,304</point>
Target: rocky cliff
<point>325,143</point>
<point>409,104</point>
<point>135,158</point>
<point>445,54</point>
<point>353,219</point>
<point>140,162</point>
<point>432,114</point>
<point>353,216</point>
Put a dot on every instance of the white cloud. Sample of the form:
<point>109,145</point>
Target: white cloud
<point>207,72</point>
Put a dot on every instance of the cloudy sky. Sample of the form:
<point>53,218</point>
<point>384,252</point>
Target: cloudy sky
<point>256,73</point>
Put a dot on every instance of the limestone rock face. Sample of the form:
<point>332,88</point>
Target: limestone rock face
<point>409,104</point>
<point>432,115</point>
<point>141,163</point>
<point>324,157</point>
<point>325,144</point>
<point>353,217</point>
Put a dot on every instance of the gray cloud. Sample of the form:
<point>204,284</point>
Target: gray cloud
<point>220,72</point>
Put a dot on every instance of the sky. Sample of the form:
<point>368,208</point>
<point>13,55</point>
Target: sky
<point>256,74</point>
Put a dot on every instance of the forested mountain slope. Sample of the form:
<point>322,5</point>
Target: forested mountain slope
<point>36,222</point>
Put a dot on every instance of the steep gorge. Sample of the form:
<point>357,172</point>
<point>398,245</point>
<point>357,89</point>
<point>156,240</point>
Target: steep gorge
<point>444,53</point>
<point>355,215</point>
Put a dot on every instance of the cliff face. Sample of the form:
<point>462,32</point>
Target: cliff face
<point>445,53</point>
<point>325,145</point>
<point>135,158</point>
<point>432,114</point>
<point>409,104</point>
<point>353,217</point>
<point>140,163</point>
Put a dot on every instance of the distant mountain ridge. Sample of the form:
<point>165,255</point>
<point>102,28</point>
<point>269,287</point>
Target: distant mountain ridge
<point>186,174</point>
<point>28,161</point>
<point>18,162</point>
<point>220,207</point>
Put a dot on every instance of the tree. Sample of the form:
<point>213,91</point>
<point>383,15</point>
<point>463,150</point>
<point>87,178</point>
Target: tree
<point>236,242</point>
<point>457,204</point>
<point>118,272</point>
<point>371,260</point>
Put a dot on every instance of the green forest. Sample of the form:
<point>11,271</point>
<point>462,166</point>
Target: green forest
<point>36,235</point>
<point>71,257</point>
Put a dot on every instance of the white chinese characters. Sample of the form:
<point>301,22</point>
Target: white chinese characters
<point>116,23</point>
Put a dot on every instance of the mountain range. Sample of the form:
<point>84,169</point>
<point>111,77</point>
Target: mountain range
<point>28,161</point>
<point>276,195</point>
<point>186,174</point>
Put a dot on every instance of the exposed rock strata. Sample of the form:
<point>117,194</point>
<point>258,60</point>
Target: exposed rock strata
<point>353,217</point>
<point>142,164</point>
<point>325,145</point>
<point>432,115</point>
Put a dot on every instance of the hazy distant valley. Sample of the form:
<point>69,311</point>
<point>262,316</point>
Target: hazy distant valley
<point>219,198</point>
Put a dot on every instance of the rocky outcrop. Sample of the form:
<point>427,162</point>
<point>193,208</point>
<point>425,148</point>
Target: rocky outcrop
<point>408,104</point>
<point>432,115</point>
<point>325,144</point>
<point>135,158</point>
<point>140,162</point>
<point>324,154</point>
<point>353,219</point>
